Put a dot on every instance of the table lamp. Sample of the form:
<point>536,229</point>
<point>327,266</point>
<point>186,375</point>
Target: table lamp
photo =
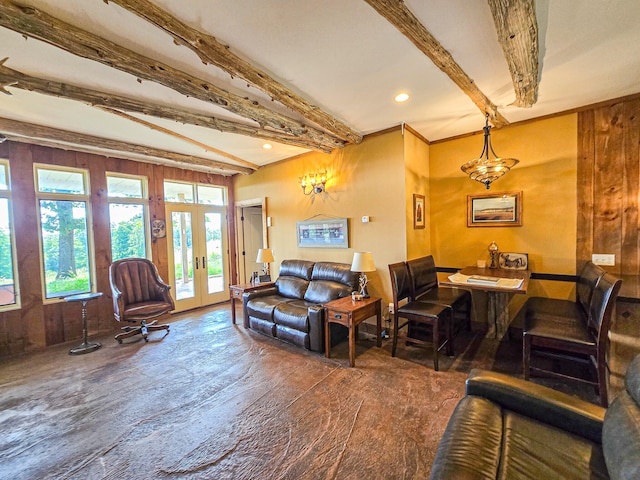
<point>265,255</point>
<point>363,262</point>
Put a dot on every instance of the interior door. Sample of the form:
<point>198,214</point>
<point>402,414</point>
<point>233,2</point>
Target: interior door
<point>197,248</point>
<point>252,232</point>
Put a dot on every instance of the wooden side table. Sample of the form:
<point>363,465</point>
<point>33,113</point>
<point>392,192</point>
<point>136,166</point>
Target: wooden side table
<point>236,292</point>
<point>351,313</point>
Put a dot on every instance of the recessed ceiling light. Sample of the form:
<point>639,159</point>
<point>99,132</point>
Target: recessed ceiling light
<point>401,97</point>
<point>267,146</point>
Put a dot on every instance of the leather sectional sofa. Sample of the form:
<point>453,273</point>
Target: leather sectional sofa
<point>510,428</point>
<point>292,310</point>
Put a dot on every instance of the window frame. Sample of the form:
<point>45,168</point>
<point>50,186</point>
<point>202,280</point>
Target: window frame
<point>196,199</point>
<point>12,238</point>
<point>142,200</point>
<point>54,196</point>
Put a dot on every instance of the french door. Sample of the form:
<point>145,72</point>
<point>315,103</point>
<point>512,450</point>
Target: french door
<point>198,260</point>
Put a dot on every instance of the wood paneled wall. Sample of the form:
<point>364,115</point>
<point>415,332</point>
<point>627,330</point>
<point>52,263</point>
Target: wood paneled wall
<point>608,184</point>
<point>37,324</point>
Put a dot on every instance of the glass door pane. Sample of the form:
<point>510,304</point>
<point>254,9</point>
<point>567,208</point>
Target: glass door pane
<point>213,242</point>
<point>181,226</point>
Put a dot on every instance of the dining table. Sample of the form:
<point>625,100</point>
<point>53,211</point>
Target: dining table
<point>499,284</point>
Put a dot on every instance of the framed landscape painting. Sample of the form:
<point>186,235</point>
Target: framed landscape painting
<point>495,210</point>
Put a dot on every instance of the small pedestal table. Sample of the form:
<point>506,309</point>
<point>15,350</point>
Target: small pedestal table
<point>86,346</point>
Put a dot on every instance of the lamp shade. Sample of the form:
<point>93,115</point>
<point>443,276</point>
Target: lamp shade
<point>265,255</point>
<point>363,262</point>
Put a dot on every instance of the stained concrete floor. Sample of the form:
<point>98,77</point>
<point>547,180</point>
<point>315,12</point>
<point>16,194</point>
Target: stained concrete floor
<point>214,401</point>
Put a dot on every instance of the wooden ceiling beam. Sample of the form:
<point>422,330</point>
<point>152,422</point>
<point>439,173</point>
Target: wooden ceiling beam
<point>37,24</point>
<point>54,137</point>
<point>184,138</point>
<point>13,78</point>
<point>397,13</point>
<point>517,30</point>
<point>213,52</point>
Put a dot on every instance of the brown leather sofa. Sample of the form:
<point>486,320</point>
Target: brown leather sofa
<point>292,310</point>
<point>510,428</point>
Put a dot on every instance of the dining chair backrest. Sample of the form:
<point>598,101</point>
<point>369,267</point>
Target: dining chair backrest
<point>586,284</point>
<point>400,282</point>
<point>602,306</point>
<point>423,275</point>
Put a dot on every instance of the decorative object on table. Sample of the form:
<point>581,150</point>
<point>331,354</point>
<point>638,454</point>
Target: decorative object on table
<point>158,228</point>
<point>265,255</point>
<point>362,263</point>
<point>487,170</point>
<point>328,233</point>
<point>418,211</point>
<point>493,254</point>
<point>495,210</point>
<point>513,261</point>
<point>316,181</point>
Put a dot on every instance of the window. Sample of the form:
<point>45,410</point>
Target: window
<point>8,277</point>
<point>66,244</point>
<point>128,216</point>
<point>177,192</point>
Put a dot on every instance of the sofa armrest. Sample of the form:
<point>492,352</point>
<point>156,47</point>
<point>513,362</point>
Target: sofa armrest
<point>316,328</point>
<point>538,402</point>
<point>246,296</point>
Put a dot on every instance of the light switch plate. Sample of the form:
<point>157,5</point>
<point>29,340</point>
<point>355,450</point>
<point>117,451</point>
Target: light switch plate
<point>605,259</point>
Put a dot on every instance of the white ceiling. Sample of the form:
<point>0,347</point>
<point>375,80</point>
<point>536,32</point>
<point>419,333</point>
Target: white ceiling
<point>340,55</point>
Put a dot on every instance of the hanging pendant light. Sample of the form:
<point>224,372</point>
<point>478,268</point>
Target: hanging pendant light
<point>486,170</point>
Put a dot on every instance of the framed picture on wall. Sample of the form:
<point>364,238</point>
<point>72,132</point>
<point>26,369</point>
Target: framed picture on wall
<point>495,210</point>
<point>418,211</point>
<point>332,233</point>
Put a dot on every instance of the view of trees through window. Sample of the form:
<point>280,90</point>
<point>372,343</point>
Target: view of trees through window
<point>7,280</point>
<point>127,231</point>
<point>63,200</point>
<point>127,216</point>
<point>65,247</point>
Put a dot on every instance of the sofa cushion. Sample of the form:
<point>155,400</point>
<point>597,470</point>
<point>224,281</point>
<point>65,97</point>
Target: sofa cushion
<point>323,291</point>
<point>291,335</point>
<point>484,441</point>
<point>532,449</point>
<point>262,307</point>
<point>296,268</point>
<point>293,314</point>
<point>263,326</point>
<point>292,287</point>
<point>335,272</point>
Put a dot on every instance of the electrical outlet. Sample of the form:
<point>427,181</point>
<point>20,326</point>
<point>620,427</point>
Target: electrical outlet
<point>391,309</point>
<point>604,259</point>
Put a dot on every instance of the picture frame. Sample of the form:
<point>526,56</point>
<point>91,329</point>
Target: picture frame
<point>495,210</point>
<point>329,233</point>
<point>513,261</point>
<point>418,211</point>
